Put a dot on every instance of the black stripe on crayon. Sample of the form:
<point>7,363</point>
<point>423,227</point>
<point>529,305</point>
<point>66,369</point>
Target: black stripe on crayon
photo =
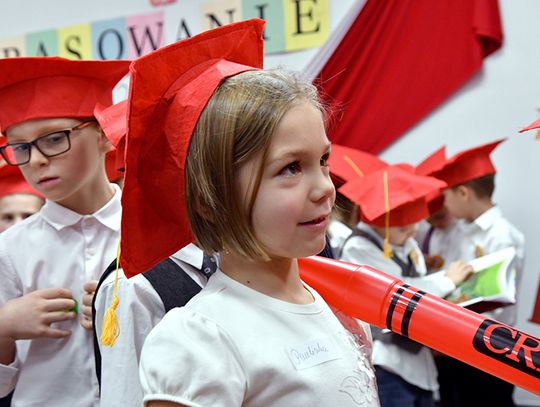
<point>409,310</point>
<point>395,299</point>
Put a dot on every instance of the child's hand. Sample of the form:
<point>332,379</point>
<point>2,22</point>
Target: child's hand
<point>89,291</point>
<point>31,315</point>
<point>459,271</point>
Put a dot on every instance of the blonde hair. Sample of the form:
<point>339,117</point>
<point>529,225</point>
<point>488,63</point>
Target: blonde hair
<point>236,125</point>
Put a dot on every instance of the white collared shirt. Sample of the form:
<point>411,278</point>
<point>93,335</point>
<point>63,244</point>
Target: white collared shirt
<point>442,242</point>
<point>56,248</point>
<point>489,233</point>
<point>418,369</point>
<point>139,309</point>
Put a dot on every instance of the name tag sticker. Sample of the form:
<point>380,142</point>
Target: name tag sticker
<point>312,353</point>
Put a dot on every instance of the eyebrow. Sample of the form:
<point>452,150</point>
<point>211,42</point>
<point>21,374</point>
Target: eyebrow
<point>296,153</point>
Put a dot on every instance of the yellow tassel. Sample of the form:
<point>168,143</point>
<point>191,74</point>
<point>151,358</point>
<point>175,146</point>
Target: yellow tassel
<point>387,250</point>
<point>353,165</point>
<point>110,328</point>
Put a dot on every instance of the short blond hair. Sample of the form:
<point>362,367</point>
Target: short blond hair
<point>237,124</point>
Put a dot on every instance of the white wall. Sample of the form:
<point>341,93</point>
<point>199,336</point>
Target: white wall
<point>496,103</point>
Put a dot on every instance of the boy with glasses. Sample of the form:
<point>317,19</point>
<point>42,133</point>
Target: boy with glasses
<point>46,261</point>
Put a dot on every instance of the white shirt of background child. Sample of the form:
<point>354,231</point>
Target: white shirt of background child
<point>139,309</point>
<point>56,248</point>
<point>418,369</point>
<point>489,233</point>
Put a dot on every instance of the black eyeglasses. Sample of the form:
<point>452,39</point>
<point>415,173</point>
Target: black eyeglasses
<point>50,145</point>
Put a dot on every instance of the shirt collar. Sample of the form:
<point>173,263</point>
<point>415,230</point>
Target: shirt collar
<point>61,217</point>
<point>191,255</point>
<point>488,218</point>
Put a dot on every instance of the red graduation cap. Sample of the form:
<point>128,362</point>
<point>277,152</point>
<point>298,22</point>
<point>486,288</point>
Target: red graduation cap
<point>468,165</point>
<point>431,164</point>
<point>392,196</point>
<point>532,126</point>
<point>169,88</point>
<point>348,163</point>
<point>47,87</point>
<point>113,121</point>
<point>13,182</point>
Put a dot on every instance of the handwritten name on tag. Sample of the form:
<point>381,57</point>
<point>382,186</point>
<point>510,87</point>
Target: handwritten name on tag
<point>313,353</point>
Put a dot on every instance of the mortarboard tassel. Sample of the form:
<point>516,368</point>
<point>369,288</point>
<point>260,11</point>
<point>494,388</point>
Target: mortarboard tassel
<point>110,328</point>
<point>353,165</point>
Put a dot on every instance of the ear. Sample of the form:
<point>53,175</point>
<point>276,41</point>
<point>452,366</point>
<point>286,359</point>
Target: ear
<point>463,192</point>
<point>104,143</point>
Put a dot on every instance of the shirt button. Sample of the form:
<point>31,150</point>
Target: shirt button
<point>90,251</point>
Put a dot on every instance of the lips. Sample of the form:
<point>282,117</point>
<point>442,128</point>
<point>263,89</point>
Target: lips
<point>47,181</point>
<point>315,221</point>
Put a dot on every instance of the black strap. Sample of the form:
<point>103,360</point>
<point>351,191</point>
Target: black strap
<point>407,269</point>
<point>173,285</point>
<point>97,352</point>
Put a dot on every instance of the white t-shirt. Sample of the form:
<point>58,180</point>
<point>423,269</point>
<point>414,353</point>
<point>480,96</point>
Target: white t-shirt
<point>139,309</point>
<point>418,369</point>
<point>442,242</point>
<point>56,248</point>
<point>233,346</point>
<point>487,234</point>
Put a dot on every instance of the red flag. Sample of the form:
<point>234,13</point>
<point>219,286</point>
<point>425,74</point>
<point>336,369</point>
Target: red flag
<point>400,60</point>
<point>536,313</point>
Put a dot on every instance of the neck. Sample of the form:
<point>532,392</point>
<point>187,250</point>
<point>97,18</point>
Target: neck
<point>277,278</point>
<point>478,208</point>
<point>91,198</point>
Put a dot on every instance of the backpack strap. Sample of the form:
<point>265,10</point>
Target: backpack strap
<point>174,286</point>
<point>407,269</point>
<point>97,352</point>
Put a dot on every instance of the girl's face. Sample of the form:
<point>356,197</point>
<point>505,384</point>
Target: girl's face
<point>296,195</point>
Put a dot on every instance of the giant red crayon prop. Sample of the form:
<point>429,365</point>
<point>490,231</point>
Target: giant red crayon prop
<point>387,302</point>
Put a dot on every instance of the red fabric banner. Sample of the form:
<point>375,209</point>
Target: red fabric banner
<point>400,60</point>
<point>536,313</point>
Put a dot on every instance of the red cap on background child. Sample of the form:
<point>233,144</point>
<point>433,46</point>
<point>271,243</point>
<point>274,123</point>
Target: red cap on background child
<point>50,87</point>
<point>113,121</point>
<point>392,197</point>
<point>532,126</point>
<point>468,165</point>
<point>392,190</point>
<point>13,182</point>
<point>169,89</point>
<point>348,163</point>
<point>431,164</point>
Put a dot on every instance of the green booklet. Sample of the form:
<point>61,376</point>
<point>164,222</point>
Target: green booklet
<point>492,285</point>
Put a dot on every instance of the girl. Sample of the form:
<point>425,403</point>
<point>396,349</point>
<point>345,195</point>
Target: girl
<point>258,192</point>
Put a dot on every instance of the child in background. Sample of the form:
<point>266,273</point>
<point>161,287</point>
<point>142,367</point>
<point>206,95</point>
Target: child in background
<point>347,164</point>
<point>144,299</point>
<point>46,113</point>
<point>257,191</point>
<point>392,201</point>
<point>18,200</point>
<point>437,235</point>
<point>470,176</point>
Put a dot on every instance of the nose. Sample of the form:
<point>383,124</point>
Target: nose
<point>36,157</point>
<point>323,188</point>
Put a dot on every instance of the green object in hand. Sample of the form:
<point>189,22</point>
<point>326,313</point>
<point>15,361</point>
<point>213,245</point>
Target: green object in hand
<point>75,307</point>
